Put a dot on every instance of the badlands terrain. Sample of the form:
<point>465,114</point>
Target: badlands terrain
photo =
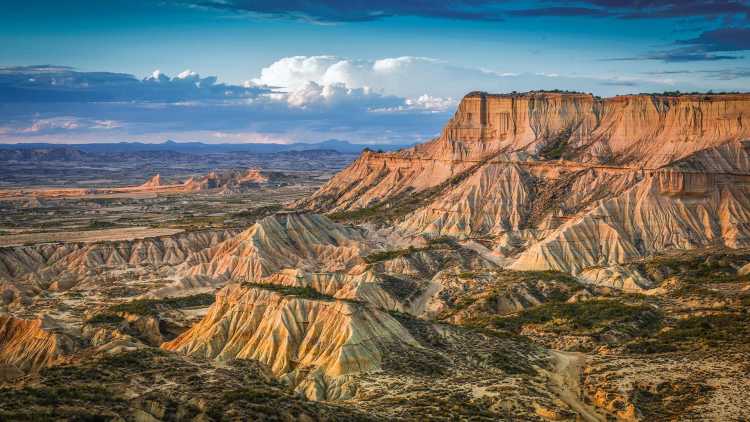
<point>549,256</point>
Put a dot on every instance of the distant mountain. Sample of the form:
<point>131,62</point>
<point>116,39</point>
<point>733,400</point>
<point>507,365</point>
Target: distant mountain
<point>203,148</point>
<point>52,153</point>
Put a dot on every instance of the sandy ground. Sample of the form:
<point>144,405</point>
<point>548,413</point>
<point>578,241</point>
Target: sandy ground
<point>565,378</point>
<point>86,236</point>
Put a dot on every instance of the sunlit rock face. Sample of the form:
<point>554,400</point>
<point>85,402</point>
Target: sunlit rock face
<point>29,345</point>
<point>293,336</point>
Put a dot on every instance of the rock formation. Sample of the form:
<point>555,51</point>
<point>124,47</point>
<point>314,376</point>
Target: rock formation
<point>293,336</point>
<point>304,241</point>
<point>435,280</point>
<point>231,180</point>
<point>28,270</point>
<point>565,181</point>
<point>152,183</point>
<point>29,345</point>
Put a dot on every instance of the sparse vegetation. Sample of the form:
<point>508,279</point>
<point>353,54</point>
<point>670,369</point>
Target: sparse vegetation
<point>698,332</point>
<point>151,307</point>
<point>590,317</point>
<point>101,224</point>
<point>438,243</point>
<point>556,148</point>
<point>305,292</point>
<point>258,212</point>
<point>105,319</point>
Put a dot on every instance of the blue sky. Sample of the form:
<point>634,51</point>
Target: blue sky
<point>364,71</point>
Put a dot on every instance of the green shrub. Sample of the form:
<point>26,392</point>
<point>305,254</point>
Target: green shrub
<point>585,318</point>
<point>154,306</point>
<point>698,332</point>
<point>306,292</point>
<point>105,318</point>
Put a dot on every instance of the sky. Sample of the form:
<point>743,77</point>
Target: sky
<point>364,71</point>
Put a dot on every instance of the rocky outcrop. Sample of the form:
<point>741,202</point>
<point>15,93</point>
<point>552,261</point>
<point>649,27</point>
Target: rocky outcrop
<point>665,211</point>
<point>312,343</point>
<point>253,175</point>
<point>152,183</point>
<point>231,180</point>
<point>633,132</point>
<point>29,345</point>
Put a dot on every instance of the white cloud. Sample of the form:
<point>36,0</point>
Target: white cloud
<point>187,74</point>
<point>410,77</point>
<point>44,125</point>
<point>62,124</point>
<point>432,103</point>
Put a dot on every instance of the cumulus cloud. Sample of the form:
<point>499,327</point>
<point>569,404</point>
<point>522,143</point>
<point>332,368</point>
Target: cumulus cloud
<point>391,76</point>
<point>413,78</point>
<point>338,94</point>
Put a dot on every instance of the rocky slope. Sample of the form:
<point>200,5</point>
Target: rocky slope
<point>310,342</point>
<point>151,385</point>
<point>29,345</point>
<point>291,240</point>
<point>564,181</point>
<point>25,271</point>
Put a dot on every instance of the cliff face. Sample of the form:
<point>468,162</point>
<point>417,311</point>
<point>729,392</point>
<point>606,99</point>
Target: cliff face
<point>633,132</point>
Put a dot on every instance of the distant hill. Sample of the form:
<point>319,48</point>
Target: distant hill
<point>203,148</point>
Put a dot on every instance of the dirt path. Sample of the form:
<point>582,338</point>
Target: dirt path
<point>565,379</point>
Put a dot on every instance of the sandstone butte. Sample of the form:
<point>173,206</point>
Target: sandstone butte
<point>211,181</point>
<point>566,181</point>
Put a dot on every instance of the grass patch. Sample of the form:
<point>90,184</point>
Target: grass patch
<point>109,319</point>
<point>98,225</point>
<point>258,212</point>
<point>556,148</point>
